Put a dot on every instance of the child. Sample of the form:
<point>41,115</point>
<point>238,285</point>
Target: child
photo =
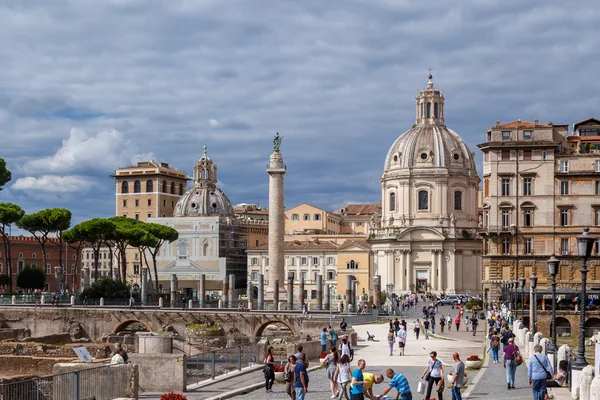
<point>343,374</point>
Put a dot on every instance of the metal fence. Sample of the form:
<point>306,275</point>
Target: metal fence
<point>100,383</point>
<point>210,364</point>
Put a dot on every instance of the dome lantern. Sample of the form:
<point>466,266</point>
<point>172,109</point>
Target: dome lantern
<point>430,105</point>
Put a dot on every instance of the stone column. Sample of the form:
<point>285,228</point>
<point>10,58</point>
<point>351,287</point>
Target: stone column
<point>231,290</point>
<point>328,297</point>
<point>377,290</point>
<point>301,290</point>
<point>249,294</point>
<point>401,278</point>
<point>143,283</point>
<point>349,299</point>
<point>410,274</point>
<point>290,294</point>
<point>434,270</point>
<point>276,294</point>
<point>58,278</point>
<point>441,268</point>
<point>261,292</point>
<point>319,292</point>
<point>225,292</point>
<point>173,290</point>
<point>276,170</point>
<point>201,290</point>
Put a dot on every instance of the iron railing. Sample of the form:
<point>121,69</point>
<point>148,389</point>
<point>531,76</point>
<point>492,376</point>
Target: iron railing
<point>100,383</point>
<point>210,364</point>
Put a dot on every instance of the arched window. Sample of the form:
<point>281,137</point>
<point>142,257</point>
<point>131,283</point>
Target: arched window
<point>435,110</point>
<point>182,249</point>
<point>164,187</point>
<point>125,187</point>
<point>172,187</point>
<point>137,187</point>
<point>202,174</point>
<point>351,265</point>
<point>149,186</point>
<point>428,110</point>
<point>205,250</point>
<point>422,110</point>
<point>392,201</point>
<point>458,200</point>
<point>181,189</point>
<point>207,174</point>
<point>423,200</point>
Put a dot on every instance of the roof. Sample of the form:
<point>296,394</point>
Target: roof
<point>360,209</point>
<point>296,245</point>
<point>355,243</point>
<point>305,204</point>
<point>522,124</point>
<point>586,121</point>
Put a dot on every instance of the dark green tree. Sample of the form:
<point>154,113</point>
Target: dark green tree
<point>9,214</point>
<point>162,234</point>
<point>94,233</point>
<point>107,288</point>
<point>5,280</point>
<point>125,232</point>
<point>45,222</point>
<point>5,174</point>
<point>31,278</point>
<point>142,240</point>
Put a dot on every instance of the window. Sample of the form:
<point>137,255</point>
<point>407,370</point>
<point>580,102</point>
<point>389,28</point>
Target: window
<point>428,110</point>
<point>527,246</point>
<point>47,256</point>
<point>435,110</point>
<point>20,265</point>
<point>292,261</point>
<point>137,217</point>
<point>20,255</point>
<point>597,165</point>
<point>527,135</point>
<point>149,215</point>
<point>292,275</point>
<point>528,217</point>
<point>330,275</point>
<point>33,255</point>
<point>48,269</point>
<point>124,187</point>
<point>124,203</point>
<point>423,199</point>
<point>254,261</point>
<point>149,186</point>
<point>544,155</point>
<point>505,219</point>
<point>137,203</point>
<point>360,224</point>
<point>315,260</point>
<point>303,261</point>
<point>149,202</point>
<point>306,217</point>
<point>254,276</point>
<point>295,217</point>
<point>564,246</point>
<point>164,186</point>
<point>564,166</point>
<point>489,136</point>
<point>392,202</point>
<point>486,156</point>
<point>564,217</point>
<point>505,135</point>
<point>486,187</point>
<point>330,261</point>
<point>506,246</point>
<point>527,186</point>
<point>316,217</point>
<point>34,265</point>
<point>136,269</point>
<point>303,275</point>
<point>164,203</point>
<point>313,294</point>
<point>597,216</point>
<point>564,188</point>
<point>266,260</point>
<point>505,187</point>
<point>527,154</point>
<point>505,155</point>
<point>172,187</point>
<point>181,189</point>
<point>137,187</point>
<point>458,200</point>
<point>351,265</point>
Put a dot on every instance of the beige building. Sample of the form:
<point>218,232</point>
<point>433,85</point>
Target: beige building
<point>357,218</point>
<point>426,238</point>
<point>540,188</point>
<point>254,220</point>
<point>310,219</point>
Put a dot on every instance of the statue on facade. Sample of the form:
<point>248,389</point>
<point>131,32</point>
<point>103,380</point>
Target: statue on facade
<point>391,221</point>
<point>480,221</point>
<point>277,141</point>
<point>452,219</point>
<point>376,221</point>
<point>403,220</point>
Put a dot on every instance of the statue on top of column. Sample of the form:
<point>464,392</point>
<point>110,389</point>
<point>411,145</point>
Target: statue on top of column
<point>277,141</point>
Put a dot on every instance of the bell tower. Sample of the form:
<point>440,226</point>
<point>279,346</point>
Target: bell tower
<point>205,172</point>
<point>430,105</point>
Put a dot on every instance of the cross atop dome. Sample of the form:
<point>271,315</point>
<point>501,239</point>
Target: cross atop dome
<point>430,105</point>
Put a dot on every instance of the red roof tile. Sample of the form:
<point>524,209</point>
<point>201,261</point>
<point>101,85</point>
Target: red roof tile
<point>362,209</point>
<point>522,124</point>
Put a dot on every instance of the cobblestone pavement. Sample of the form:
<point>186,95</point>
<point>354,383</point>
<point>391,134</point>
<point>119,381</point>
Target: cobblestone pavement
<point>493,384</point>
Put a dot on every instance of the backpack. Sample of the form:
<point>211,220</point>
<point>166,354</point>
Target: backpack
<point>495,342</point>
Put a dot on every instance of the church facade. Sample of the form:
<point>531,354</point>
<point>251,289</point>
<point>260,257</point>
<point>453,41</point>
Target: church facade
<point>425,239</point>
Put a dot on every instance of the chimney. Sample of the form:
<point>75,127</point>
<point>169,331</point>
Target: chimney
<point>497,124</point>
<point>535,122</point>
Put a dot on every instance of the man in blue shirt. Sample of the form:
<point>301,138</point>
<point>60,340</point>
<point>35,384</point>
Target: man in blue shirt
<point>300,378</point>
<point>324,340</point>
<point>398,382</point>
<point>358,382</point>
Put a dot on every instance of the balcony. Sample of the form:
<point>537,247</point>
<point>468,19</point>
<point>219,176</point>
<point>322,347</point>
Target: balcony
<point>496,230</point>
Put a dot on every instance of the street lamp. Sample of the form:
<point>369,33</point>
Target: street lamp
<point>330,305</point>
<point>585,245</point>
<point>553,266</point>
<point>533,304</point>
<point>523,281</point>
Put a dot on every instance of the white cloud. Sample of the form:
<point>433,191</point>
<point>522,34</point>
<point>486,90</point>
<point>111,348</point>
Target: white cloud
<point>54,184</point>
<point>104,152</point>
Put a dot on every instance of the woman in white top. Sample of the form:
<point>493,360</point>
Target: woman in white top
<point>560,376</point>
<point>343,374</point>
<point>434,366</point>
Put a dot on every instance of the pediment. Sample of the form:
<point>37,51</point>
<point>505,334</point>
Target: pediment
<point>421,233</point>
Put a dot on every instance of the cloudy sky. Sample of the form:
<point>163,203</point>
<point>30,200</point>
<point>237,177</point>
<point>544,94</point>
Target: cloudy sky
<point>89,86</point>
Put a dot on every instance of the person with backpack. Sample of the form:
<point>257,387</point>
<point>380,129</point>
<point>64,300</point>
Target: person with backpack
<point>346,348</point>
<point>494,345</point>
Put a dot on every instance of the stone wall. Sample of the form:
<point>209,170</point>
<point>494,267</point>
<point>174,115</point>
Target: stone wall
<point>160,372</point>
<point>12,366</point>
<point>51,351</point>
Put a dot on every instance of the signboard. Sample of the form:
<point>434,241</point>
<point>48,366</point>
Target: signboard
<point>83,354</point>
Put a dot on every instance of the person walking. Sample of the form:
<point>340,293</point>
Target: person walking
<point>301,378</point>
<point>288,374</point>
<point>330,363</point>
<point>391,339</point>
<point>332,336</point>
<point>494,345</point>
<point>442,323</point>
<point>396,325</point>
<point>466,323</point>
<point>435,372</point>
<point>426,328</point>
<point>458,375</point>
<point>343,325</point>
<point>433,324</point>
<point>401,339</point>
<point>324,340</point>
<point>417,329</point>
<point>346,348</point>
<point>131,301</point>
<point>511,351</point>
<point>474,324</point>
<point>398,382</point>
<point>449,322</point>
<point>539,371</point>
<point>342,375</point>
<point>269,370</point>
<point>457,322</point>
<point>358,382</point>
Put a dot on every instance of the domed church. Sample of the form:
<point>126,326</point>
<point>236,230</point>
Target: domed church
<point>425,239</point>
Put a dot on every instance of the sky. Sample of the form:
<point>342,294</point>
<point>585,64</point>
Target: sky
<point>90,86</point>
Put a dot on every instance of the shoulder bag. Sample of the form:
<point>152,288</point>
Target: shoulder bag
<point>518,357</point>
<point>548,374</point>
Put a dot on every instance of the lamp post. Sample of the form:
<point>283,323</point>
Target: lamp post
<point>585,245</point>
<point>522,281</point>
<point>553,265</point>
<point>330,287</point>
<point>533,303</point>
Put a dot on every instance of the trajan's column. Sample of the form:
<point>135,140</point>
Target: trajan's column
<point>276,170</point>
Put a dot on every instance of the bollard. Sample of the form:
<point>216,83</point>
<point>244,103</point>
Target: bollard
<point>239,357</point>
<point>190,304</point>
<point>42,300</point>
<point>72,300</point>
<point>14,300</point>
<point>160,302</point>
<point>212,364</point>
<point>595,388</point>
<point>101,301</point>
<point>220,303</point>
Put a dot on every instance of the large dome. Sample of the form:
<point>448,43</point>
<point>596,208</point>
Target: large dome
<point>204,199</point>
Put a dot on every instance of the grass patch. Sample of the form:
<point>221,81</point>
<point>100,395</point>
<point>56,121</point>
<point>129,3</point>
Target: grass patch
<point>573,342</point>
<point>203,327</point>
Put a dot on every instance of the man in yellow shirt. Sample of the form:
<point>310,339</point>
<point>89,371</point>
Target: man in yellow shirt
<point>371,379</point>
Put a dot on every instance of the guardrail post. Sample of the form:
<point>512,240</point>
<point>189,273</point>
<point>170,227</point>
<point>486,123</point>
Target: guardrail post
<point>72,300</point>
<point>75,385</point>
<point>239,357</point>
<point>212,361</point>
<point>101,301</point>
<point>14,300</point>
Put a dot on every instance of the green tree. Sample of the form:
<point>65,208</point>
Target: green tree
<point>5,174</point>
<point>9,214</point>
<point>107,288</point>
<point>95,232</point>
<point>5,280</point>
<point>143,240</point>
<point>31,278</point>
<point>45,222</point>
<point>75,240</point>
<point>61,221</point>
<point>125,233</point>
<point>162,234</point>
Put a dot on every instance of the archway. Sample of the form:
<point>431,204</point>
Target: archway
<point>591,325</point>
<point>274,329</point>
<point>132,325</point>
<point>563,326</point>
